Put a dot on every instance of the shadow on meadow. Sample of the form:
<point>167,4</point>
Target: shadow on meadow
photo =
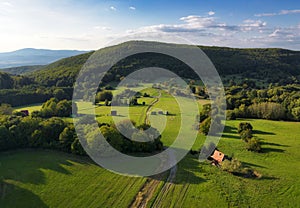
<point>10,194</point>
<point>229,131</point>
<point>25,167</point>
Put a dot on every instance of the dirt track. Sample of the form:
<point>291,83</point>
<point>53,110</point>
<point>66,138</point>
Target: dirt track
<point>148,189</point>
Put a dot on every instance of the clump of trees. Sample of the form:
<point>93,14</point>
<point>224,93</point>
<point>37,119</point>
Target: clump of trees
<point>5,109</point>
<point>274,103</point>
<point>142,140</point>
<point>245,131</point>
<point>236,167</point>
<point>35,132</point>
<point>103,96</point>
<point>54,107</point>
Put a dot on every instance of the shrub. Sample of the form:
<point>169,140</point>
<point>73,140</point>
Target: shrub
<point>233,166</point>
<point>246,135</point>
<point>244,126</point>
<point>230,115</point>
<point>253,145</point>
<point>205,126</point>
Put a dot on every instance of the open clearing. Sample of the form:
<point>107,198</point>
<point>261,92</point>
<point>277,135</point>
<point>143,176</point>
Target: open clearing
<point>51,179</point>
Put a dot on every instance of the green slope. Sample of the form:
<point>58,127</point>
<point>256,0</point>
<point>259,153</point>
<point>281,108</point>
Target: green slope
<point>273,65</point>
<point>43,178</point>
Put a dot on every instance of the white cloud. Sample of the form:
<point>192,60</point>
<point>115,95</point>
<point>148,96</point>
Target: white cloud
<point>132,8</point>
<point>282,12</point>
<point>102,28</point>
<point>113,8</point>
<point>252,24</point>
<point>209,30</point>
<point>210,13</point>
<point>6,3</point>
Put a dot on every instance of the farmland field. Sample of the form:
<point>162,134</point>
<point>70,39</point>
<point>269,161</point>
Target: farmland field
<point>40,178</point>
<point>200,184</point>
<point>32,176</point>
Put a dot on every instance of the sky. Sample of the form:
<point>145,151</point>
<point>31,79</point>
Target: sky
<point>92,24</point>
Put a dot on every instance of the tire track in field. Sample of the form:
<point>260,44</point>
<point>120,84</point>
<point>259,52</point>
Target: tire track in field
<point>148,189</point>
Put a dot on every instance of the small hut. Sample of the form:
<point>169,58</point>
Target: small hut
<point>218,156</point>
<point>153,113</point>
<point>25,112</point>
<point>113,113</point>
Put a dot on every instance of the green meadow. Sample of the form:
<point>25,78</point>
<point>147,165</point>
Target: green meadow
<point>43,178</point>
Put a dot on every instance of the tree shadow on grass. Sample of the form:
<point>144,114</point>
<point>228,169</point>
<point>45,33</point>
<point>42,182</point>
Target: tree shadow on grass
<point>230,129</point>
<point>270,149</point>
<point>263,132</point>
<point>268,178</point>
<point>274,144</point>
<point>249,165</point>
<point>27,166</point>
<point>13,196</point>
<point>229,136</point>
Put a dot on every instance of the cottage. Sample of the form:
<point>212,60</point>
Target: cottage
<point>217,156</point>
<point>25,112</point>
<point>113,113</point>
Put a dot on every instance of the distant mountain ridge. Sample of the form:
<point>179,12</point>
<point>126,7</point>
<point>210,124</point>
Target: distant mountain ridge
<point>271,65</point>
<point>32,56</point>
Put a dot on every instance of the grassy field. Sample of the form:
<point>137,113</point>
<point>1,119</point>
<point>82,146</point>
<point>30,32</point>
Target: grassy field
<point>43,178</point>
<point>46,178</point>
<point>30,108</point>
<point>202,185</point>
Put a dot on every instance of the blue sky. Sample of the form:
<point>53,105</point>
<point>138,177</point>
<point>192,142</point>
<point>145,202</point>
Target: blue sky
<point>91,24</point>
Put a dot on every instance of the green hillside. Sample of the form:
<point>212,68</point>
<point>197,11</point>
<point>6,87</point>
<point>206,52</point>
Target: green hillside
<point>21,69</point>
<point>270,65</point>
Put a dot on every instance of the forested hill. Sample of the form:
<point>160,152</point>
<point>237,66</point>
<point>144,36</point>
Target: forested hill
<point>271,65</point>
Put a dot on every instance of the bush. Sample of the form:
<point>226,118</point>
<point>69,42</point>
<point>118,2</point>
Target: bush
<point>246,135</point>
<point>253,145</point>
<point>230,115</point>
<point>244,126</point>
<point>205,126</point>
<point>233,166</point>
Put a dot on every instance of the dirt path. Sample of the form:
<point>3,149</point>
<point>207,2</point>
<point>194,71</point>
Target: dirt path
<point>148,189</point>
<point>167,185</point>
<point>150,106</point>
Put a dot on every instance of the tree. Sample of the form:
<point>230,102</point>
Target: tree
<point>67,137</point>
<point>246,135</point>
<point>104,95</point>
<point>60,94</point>
<point>253,145</point>
<point>205,126</point>
<point>76,148</point>
<point>5,109</point>
<point>63,108</point>
<point>244,126</point>
<point>5,139</point>
<point>233,166</point>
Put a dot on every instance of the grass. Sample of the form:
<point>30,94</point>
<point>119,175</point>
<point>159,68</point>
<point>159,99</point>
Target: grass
<point>40,178</point>
<point>33,178</point>
<point>30,108</point>
<point>200,184</point>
